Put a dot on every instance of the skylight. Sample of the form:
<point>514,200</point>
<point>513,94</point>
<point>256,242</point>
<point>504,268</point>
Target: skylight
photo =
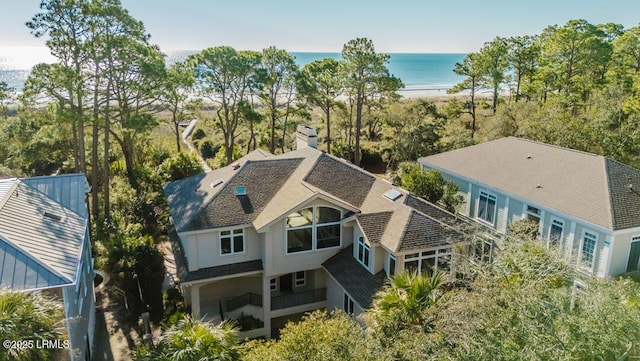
<point>216,182</point>
<point>392,194</point>
<point>241,191</point>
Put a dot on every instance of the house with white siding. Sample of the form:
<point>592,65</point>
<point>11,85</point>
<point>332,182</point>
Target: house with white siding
<point>587,204</point>
<point>275,236</point>
<point>45,248</point>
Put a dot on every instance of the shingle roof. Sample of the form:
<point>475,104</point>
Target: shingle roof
<point>374,224</point>
<point>355,279</point>
<point>182,268</point>
<point>624,190</point>
<point>425,232</point>
<point>431,210</point>
<point>584,185</point>
<point>41,240</point>
<point>341,180</point>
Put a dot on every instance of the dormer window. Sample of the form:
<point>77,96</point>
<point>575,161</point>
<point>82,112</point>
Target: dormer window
<point>313,228</point>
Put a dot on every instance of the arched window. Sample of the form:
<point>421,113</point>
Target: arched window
<point>313,228</point>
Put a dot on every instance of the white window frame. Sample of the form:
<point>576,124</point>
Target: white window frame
<point>437,254</point>
<point>314,229</point>
<point>300,282</point>
<point>581,261</point>
<point>634,239</point>
<point>348,304</point>
<point>232,234</point>
<point>488,195</point>
<point>391,272</point>
<point>273,284</point>
<point>366,249</point>
<point>551,224</point>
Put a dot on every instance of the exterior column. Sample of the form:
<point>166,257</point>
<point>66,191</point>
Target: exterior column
<point>506,214</point>
<point>266,306</point>
<point>571,239</point>
<point>469,193</point>
<point>195,301</point>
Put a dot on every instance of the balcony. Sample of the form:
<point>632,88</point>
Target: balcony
<point>298,299</point>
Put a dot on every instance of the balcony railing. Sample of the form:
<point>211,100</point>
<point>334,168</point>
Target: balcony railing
<point>299,298</point>
<point>246,299</point>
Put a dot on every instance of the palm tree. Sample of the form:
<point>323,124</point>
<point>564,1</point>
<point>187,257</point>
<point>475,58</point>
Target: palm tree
<point>194,340</point>
<point>405,300</point>
<point>32,318</point>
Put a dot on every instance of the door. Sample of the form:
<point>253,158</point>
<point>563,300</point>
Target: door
<point>634,255</point>
<point>286,283</point>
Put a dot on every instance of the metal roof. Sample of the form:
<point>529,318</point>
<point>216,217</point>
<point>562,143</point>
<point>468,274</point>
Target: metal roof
<point>41,240</point>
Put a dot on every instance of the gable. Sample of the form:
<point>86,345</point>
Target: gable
<point>261,181</point>
<point>341,180</point>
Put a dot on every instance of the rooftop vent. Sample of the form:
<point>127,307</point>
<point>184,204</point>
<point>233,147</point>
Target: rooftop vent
<point>392,194</point>
<point>52,216</point>
<point>529,156</point>
<point>241,191</point>
<point>235,165</point>
<point>216,182</point>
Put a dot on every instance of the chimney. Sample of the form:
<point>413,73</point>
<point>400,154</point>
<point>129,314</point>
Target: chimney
<point>306,136</point>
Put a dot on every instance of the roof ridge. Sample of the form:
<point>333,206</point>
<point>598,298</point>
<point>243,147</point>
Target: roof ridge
<point>549,145</point>
<point>7,195</point>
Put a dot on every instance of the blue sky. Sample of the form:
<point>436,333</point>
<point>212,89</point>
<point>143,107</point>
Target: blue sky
<point>325,25</point>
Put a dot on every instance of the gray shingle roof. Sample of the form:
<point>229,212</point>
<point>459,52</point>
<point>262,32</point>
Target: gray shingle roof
<point>357,281</point>
<point>374,224</point>
<point>182,268</point>
<point>584,185</point>
<point>341,180</point>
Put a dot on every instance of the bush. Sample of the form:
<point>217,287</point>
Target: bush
<point>208,149</point>
<point>180,166</point>
<point>248,322</point>
<point>198,134</point>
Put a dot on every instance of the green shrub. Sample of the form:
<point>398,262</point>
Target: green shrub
<point>198,134</point>
<point>179,166</point>
<point>208,149</point>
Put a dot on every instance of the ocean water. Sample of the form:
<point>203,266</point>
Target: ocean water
<point>427,71</point>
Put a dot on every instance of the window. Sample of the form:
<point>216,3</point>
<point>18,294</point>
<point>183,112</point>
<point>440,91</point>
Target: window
<point>348,305</point>
<point>313,228</point>
<point>555,232</point>
<point>363,251</point>
<point>392,265</point>
<point>634,255</point>
<point>481,249</point>
<point>533,214</point>
<point>232,241</point>
<point>487,207</point>
<point>588,249</point>
<point>301,278</point>
<point>273,284</point>
<point>427,261</point>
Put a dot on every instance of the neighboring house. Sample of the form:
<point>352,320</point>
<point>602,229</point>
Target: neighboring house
<point>44,247</point>
<point>277,236</point>
<point>587,204</point>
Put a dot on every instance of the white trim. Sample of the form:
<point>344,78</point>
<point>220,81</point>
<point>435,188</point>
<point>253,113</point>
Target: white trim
<point>506,213</point>
<point>347,303</point>
<point>637,239</point>
<point>571,238</point>
<point>366,249</point>
<point>314,230</point>
<point>232,235</point>
<point>209,230</point>
<point>296,279</point>
<point>489,196</point>
<point>207,280</point>
<point>594,254</point>
<point>551,224</point>
<point>469,198</point>
<point>395,259</point>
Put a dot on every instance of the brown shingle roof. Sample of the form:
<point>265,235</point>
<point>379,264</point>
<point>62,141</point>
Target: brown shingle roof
<point>431,210</point>
<point>425,232</point>
<point>580,184</point>
<point>261,179</point>
<point>355,279</point>
<point>341,180</point>
<point>374,224</point>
